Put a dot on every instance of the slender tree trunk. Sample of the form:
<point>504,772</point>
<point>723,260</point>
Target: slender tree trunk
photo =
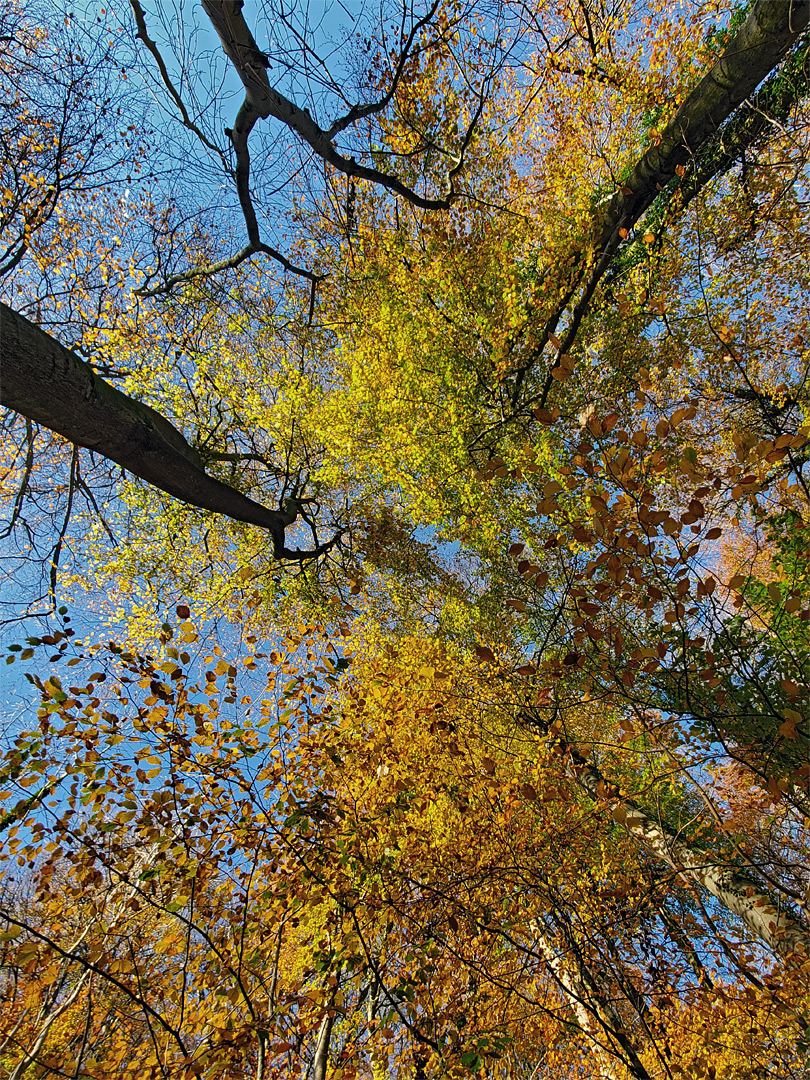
<point>30,1055</point>
<point>321,1061</point>
<point>728,884</point>
<point>596,1016</point>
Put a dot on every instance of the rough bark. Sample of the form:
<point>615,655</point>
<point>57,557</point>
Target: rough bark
<point>51,385</point>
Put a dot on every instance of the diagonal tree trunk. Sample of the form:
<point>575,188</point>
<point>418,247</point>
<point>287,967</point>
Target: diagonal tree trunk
<point>730,885</point>
<point>51,385</point>
<point>596,1016</point>
<point>765,38</point>
<point>771,28</point>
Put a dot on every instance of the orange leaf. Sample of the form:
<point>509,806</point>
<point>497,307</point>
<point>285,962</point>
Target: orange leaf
<point>788,729</point>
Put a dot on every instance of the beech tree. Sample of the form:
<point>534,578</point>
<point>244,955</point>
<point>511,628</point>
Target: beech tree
<point>494,759</point>
<point>149,449</point>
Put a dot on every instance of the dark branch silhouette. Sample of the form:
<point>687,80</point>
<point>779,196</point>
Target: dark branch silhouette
<point>50,385</point>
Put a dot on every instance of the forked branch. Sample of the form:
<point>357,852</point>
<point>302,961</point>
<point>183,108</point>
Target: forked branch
<point>263,101</point>
<point>50,385</point>
<point>255,246</point>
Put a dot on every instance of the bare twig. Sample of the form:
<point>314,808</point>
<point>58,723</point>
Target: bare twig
<point>140,22</point>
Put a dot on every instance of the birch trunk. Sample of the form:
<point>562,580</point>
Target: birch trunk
<point>730,885</point>
<point>597,1017</point>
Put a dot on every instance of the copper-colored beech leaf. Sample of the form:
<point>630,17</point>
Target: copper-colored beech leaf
<point>322,831</point>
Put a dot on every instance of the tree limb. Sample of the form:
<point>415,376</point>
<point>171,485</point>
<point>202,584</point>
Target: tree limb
<point>142,33</point>
<point>262,100</point>
<point>256,245</point>
<point>764,39</point>
<point>51,385</point>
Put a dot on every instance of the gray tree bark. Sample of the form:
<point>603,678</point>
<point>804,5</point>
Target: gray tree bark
<point>730,885</point>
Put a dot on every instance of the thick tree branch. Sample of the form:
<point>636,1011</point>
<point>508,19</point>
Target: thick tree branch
<point>51,385</point>
<point>262,100</point>
<point>256,245</point>
<point>764,39</point>
<point>750,126</point>
<point>771,29</point>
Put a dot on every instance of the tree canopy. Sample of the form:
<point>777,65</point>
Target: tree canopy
<point>405,508</point>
